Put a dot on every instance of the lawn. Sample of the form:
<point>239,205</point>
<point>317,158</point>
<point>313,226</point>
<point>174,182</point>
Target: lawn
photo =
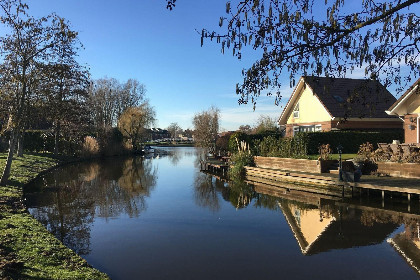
<point>27,249</point>
<point>336,156</point>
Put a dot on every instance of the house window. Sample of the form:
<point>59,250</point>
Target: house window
<point>296,111</point>
<point>307,128</point>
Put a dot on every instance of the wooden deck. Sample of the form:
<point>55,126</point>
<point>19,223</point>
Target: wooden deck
<point>329,183</point>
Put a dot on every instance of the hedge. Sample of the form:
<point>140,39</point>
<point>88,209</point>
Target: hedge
<point>304,144</point>
<point>350,140</point>
<point>290,147</point>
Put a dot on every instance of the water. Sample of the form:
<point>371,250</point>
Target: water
<point>161,218</point>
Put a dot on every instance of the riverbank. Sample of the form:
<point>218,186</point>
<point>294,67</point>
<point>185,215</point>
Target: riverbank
<point>27,249</point>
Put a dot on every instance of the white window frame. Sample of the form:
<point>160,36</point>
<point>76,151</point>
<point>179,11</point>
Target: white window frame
<point>295,130</point>
<point>296,111</point>
<point>318,128</point>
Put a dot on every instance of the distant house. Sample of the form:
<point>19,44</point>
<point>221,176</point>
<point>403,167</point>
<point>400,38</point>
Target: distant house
<point>158,134</point>
<point>408,108</point>
<point>325,104</point>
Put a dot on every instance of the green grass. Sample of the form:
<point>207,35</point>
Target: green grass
<point>336,156</point>
<point>27,249</point>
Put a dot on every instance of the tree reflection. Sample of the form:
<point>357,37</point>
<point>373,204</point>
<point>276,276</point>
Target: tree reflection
<point>174,157</point>
<point>68,204</point>
<point>205,192</point>
<point>67,215</point>
<point>239,194</point>
<point>207,187</point>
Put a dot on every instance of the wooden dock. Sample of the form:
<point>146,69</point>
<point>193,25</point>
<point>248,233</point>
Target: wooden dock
<point>214,166</point>
<point>329,183</point>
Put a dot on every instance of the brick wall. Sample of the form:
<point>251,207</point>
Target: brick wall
<point>395,169</point>
<point>304,165</point>
<point>410,135</point>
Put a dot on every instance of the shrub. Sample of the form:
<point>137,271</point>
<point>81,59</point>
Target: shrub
<point>365,158</point>
<point>90,146</point>
<point>325,152</point>
<point>38,141</point>
<point>111,141</point>
<point>238,161</point>
<point>252,140</point>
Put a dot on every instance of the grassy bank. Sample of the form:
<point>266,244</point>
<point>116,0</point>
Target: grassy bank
<point>27,249</point>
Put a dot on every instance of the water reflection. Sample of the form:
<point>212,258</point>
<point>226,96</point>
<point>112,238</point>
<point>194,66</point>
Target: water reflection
<point>71,197</point>
<point>407,244</point>
<point>319,223</point>
<point>207,187</point>
<point>205,191</point>
<point>130,218</point>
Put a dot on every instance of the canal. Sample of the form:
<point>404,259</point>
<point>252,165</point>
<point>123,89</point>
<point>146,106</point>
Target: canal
<point>161,218</point>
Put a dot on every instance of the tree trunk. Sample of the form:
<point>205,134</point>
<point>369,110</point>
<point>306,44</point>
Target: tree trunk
<point>6,171</point>
<point>56,138</point>
<point>20,144</point>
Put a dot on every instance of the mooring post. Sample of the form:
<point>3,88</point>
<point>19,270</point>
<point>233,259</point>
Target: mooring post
<point>383,199</point>
<point>409,201</point>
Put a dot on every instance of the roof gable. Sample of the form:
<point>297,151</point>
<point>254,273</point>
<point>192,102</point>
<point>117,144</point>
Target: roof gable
<point>414,89</point>
<point>345,98</point>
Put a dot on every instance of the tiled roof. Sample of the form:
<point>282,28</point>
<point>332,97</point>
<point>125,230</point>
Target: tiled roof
<point>351,98</point>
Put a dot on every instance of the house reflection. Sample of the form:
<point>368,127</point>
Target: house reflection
<point>321,224</point>
<point>407,244</point>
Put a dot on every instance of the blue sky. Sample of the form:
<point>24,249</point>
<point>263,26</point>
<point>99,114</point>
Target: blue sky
<point>161,48</point>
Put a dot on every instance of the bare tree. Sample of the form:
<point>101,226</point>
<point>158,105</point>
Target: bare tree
<point>174,129</point>
<point>206,127</point>
<point>109,98</point>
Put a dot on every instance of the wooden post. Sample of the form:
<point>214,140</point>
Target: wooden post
<point>409,201</point>
<point>383,199</point>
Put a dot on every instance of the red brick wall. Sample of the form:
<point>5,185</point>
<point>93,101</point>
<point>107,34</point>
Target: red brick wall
<point>407,170</point>
<point>410,135</point>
